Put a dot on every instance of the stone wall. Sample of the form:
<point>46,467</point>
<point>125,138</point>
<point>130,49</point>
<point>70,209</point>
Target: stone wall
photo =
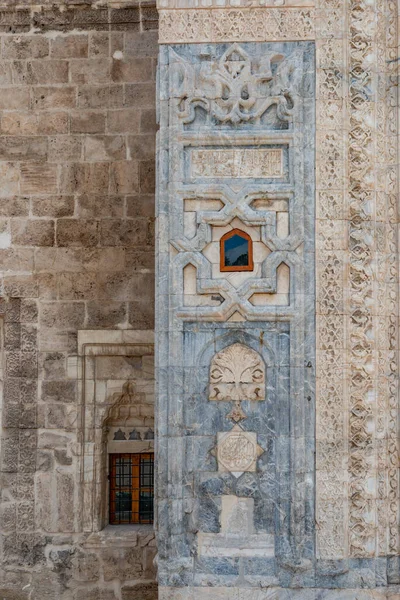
<point>77,144</point>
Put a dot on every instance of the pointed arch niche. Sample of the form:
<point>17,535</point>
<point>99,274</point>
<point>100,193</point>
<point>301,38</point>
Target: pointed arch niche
<point>117,411</point>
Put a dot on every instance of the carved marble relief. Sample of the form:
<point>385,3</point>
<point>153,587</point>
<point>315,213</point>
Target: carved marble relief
<point>235,157</point>
<point>237,451</point>
<point>237,373</point>
<point>234,90</point>
<point>246,182</point>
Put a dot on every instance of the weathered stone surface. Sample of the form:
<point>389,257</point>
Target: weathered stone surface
<point>66,170</point>
<point>145,591</point>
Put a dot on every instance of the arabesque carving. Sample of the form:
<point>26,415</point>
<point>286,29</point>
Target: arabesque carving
<point>234,90</point>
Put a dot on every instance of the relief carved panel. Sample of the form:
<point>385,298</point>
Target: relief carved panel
<point>237,373</point>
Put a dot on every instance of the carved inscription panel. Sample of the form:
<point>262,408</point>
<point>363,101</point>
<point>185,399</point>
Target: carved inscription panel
<point>237,163</point>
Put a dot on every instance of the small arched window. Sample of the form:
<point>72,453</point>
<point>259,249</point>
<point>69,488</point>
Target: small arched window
<point>236,251</point>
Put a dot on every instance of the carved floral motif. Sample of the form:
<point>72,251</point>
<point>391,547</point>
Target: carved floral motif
<point>237,373</point>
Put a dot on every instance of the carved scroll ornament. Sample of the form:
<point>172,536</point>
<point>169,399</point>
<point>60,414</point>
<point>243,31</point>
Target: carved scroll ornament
<point>230,92</point>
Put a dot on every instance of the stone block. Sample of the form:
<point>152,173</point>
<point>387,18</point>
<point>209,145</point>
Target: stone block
<point>44,461</point>
<point>77,232</point>
<point>12,206</point>
<point>28,391</point>
<point>29,311</point>
<point>90,71</point>
<point>90,179</point>
<point>147,176</point>
<point>59,391</point>
<point>141,95</point>
<point>58,260</point>
<point>25,516</point>
<point>149,18</point>
<point>124,177</point>
<point>38,178</point>
<point>147,590</point>
<point>85,566</point>
<point>12,310</point>
<point>105,148</point>
<point>138,259</point>
<point>23,148</point>
<point>97,96</point>
<point>25,47</point>
<point>110,314</point>
<point>123,120</point>
<point>12,336</point>
<point>88,121</point>
<point>63,315</point>
<point>9,455</point>
<point>148,121</point>
<point>60,416</point>
<point>17,22</point>
<point>64,148</point>
<point>99,43</point>
<point>21,364</point>
<point>141,314</point>
<point>28,337</point>
<point>128,233</point>
<point>70,46</point>
<point>53,206</point>
<point>42,72</point>
<point>53,97</point>
<point>27,453</point>
<point>77,286</point>
<point>47,283</point>
<point>94,594</point>
<point>50,122</point>
<point>62,457</point>
<point>118,561</point>
<point>16,259</point>
<point>137,70</point>
<point>141,44</point>
<point>92,206</point>
<point>20,286</point>
<point>140,206</point>
<point>32,232</point>
<point>142,147</point>
<point>5,73</point>
<point>8,518</point>
<point>123,19</point>
<point>11,416</point>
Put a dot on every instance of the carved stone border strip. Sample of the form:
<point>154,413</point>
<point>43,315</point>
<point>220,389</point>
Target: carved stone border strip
<point>235,24</point>
<point>198,4</point>
<point>387,281</point>
<point>331,405</point>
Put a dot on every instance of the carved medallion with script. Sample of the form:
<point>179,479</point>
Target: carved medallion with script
<point>237,451</point>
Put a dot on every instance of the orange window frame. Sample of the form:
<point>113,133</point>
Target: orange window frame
<point>134,487</point>
<point>227,236</point>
